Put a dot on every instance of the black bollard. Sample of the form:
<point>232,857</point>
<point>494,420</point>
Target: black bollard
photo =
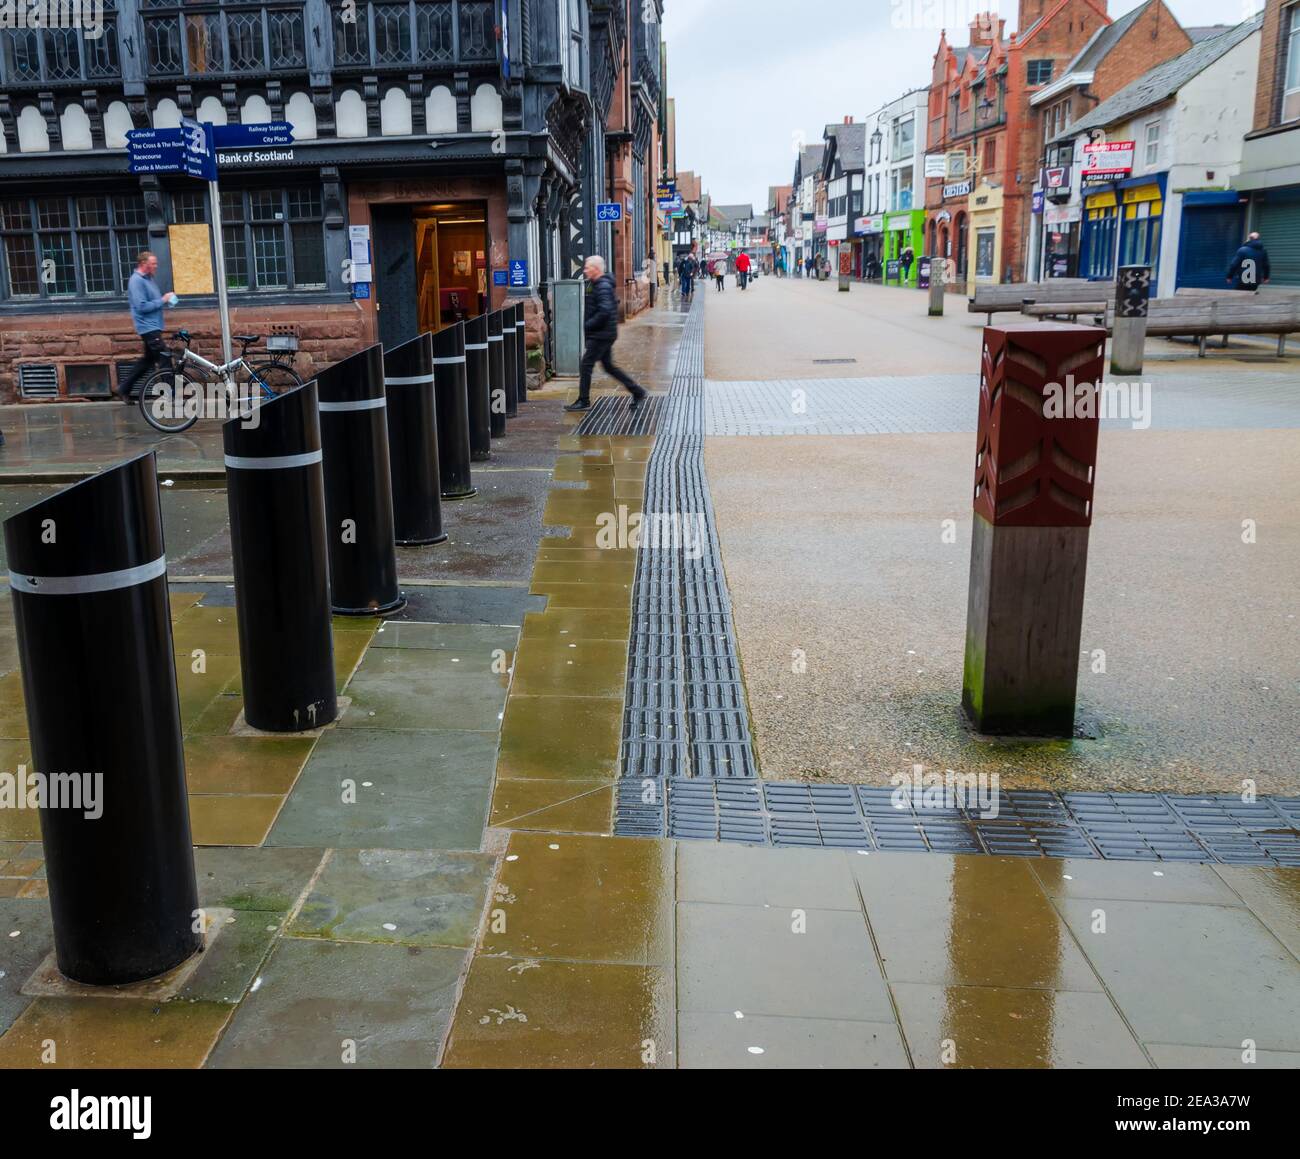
<point>476,382</point>
<point>508,361</point>
<point>358,486</point>
<point>413,443</point>
<point>275,487</point>
<point>453,412</point>
<point>521,354</point>
<point>89,584</point>
<point>496,375</point>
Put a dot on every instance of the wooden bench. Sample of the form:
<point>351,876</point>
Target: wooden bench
<point>1190,317</point>
<point>1009,297</point>
<point>1070,310</point>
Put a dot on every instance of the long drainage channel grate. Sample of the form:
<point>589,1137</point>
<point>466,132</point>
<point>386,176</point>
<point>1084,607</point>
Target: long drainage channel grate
<point>688,767</point>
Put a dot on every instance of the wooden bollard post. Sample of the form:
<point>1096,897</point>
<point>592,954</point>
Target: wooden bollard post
<point>1129,333</point>
<point>1035,460</point>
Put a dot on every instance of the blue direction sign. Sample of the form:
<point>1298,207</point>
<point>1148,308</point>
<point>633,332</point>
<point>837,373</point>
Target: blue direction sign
<point>500,278</point>
<point>519,272</point>
<point>609,211</point>
<point>200,156</point>
<point>252,136</point>
<point>155,150</point>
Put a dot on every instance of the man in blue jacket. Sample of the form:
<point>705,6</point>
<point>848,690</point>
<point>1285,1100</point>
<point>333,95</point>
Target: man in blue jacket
<point>1249,269</point>
<point>147,302</point>
<point>601,330</point>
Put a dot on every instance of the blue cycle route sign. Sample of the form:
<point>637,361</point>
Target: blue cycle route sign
<point>609,211</point>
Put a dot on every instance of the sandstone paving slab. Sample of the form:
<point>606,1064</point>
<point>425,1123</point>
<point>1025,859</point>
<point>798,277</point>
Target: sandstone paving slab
<point>722,1041</point>
<point>968,921</point>
<point>582,898</point>
<point>428,689</point>
<point>523,1012</point>
<point>261,880</point>
<point>1273,896</point>
<point>1132,881</point>
<point>409,790</point>
<point>1192,975</point>
<point>97,1033</point>
<point>992,1026</point>
<point>746,875</point>
<point>778,961</point>
<point>26,939</point>
<point>406,897</point>
<point>317,1003</point>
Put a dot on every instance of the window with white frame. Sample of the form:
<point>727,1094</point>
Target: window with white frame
<point>1151,156</point>
<point>1290,110</point>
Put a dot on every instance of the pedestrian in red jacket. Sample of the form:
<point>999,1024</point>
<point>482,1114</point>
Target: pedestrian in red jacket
<point>742,268</point>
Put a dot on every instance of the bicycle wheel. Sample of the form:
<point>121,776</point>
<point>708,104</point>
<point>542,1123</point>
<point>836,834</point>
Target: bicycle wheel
<point>278,377</point>
<point>171,402</point>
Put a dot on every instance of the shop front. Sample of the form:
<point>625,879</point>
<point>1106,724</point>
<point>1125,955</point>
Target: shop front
<point>1122,227</point>
<point>1061,229</point>
<point>871,232</point>
<point>985,236</point>
<point>904,244</point>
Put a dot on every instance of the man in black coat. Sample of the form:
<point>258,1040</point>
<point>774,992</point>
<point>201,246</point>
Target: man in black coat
<point>1249,269</point>
<point>601,330</point>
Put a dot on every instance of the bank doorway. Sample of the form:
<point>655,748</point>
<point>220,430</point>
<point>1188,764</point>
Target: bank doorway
<point>431,267</point>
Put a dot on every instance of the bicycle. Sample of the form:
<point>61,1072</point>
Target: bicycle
<point>172,400</point>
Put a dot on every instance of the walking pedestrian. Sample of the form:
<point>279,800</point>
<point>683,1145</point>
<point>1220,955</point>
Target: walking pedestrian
<point>808,265</point>
<point>688,271</point>
<point>907,257</point>
<point>742,268</point>
<point>1249,269</point>
<point>720,274</point>
<point>601,330</point>
<point>147,303</point>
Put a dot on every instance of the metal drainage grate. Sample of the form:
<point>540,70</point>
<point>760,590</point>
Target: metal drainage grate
<point>611,414</point>
<point>834,361</point>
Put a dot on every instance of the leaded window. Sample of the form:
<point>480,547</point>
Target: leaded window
<point>230,37</point>
<point>62,52</point>
<point>66,247</point>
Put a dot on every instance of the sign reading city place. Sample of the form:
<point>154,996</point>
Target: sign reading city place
<point>1108,158</point>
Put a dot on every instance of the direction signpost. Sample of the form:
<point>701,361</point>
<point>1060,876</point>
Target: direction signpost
<point>192,150</point>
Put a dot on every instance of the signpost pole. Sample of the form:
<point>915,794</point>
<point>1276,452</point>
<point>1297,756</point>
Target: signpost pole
<point>219,257</point>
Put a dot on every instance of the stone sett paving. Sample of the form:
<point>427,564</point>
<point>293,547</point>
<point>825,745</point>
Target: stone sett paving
<point>933,403</point>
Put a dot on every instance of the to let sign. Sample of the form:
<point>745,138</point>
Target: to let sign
<point>1112,158</point>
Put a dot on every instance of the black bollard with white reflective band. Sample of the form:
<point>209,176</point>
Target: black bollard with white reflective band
<point>358,486</point>
<point>88,579</point>
<point>478,388</point>
<point>509,359</point>
<point>413,443</point>
<point>496,375</point>
<point>453,412</point>
<point>275,486</point>
<point>521,354</point>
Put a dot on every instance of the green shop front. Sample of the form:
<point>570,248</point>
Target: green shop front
<point>904,230</point>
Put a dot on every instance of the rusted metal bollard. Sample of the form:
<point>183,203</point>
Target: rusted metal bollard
<point>1035,459</point>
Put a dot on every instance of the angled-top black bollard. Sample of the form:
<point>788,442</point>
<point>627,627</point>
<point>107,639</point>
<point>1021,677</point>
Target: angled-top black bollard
<point>496,375</point>
<point>88,579</point>
<point>476,381</point>
<point>508,358</point>
<point>275,486</point>
<point>358,486</point>
<point>413,443</point>
<point>521,354</point>
<point>453,412</point>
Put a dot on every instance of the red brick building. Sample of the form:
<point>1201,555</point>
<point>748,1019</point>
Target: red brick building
<point>994,102</point>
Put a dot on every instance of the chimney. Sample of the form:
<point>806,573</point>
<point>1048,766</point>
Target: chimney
<point>848,120</point>
<point>986,28</point>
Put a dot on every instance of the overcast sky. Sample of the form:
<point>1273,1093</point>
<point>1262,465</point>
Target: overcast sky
<point>751,76</point>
